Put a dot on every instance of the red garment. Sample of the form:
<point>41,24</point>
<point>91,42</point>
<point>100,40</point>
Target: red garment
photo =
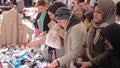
<point>87,5</point>
<point>11,5</point>
<point>1,65</point>
<point>78,2</point>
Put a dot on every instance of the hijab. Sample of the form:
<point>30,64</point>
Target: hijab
<point>112,34</point>
<point>108,10</point>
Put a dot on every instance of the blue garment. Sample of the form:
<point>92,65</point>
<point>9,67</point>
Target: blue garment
<point>67,2</point>
<point>17,63</point>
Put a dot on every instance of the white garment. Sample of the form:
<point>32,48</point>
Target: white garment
<point>52,38</point>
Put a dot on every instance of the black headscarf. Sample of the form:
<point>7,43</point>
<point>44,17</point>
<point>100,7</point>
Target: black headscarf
<point>53,8</point>
<point>112,34</point>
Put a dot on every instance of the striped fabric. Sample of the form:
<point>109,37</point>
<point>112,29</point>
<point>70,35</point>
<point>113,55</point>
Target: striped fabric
<point>68,2</point>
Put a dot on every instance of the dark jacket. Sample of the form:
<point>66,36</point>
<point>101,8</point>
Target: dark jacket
<point>45,24</point>
<point>112,60</point>
<point>112,34</point>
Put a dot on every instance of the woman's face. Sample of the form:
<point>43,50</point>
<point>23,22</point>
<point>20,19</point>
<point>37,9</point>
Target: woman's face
<point>41,8</point>
<point>78,11</point>
<point>63,23</point>
<point>97,15</point>
<point>51,15</point>
<point>52,22</point>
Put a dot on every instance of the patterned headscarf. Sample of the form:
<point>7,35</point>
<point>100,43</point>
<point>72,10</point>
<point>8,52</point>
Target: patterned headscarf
<point>107,8</point>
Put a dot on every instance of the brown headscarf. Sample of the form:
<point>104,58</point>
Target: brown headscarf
<point>107,8</point>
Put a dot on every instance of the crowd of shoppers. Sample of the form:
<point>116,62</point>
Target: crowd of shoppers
<point>92,50</point>
<point>103,16</point>
<point>86,32</point>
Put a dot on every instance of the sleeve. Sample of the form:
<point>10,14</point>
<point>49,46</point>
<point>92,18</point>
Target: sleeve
<point>77,40</point>
<point>100,57</point>
<point>46,21</point>
<point>97,60</point>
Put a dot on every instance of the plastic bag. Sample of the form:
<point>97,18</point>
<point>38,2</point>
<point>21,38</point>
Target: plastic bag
<point>52,38</point>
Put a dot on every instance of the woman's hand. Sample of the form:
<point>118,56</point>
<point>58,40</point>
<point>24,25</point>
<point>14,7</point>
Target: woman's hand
<point>60,32</point>
<point>85,64</point>
<point>53,64</point>
<point>30,44</point>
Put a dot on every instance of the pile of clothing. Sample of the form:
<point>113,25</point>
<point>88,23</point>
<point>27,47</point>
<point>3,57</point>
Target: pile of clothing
<point>21,58</point>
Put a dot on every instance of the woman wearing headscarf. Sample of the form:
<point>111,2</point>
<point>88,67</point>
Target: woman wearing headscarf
<point>112,39</point>
<point>52,38</point>
<point>104,14</point>
<point>56,31</point>
<point>51,12</point>
<point>74,37</point>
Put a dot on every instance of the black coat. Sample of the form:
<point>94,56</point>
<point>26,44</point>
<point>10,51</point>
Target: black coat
<point>46,21</point>
<point>112,60</point>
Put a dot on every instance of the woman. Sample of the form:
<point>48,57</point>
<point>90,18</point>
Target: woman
<point>40,24</point>
<point>42,18</point>
<point>104,14</point>
<point>74,38</point>
<point>51,12</point>
<point>59,48</point>
<point>112,39</point>
<point>55,28</point>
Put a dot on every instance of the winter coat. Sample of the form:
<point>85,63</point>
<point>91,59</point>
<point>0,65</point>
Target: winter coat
<point>112,60</point>
<point>75,35</point>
